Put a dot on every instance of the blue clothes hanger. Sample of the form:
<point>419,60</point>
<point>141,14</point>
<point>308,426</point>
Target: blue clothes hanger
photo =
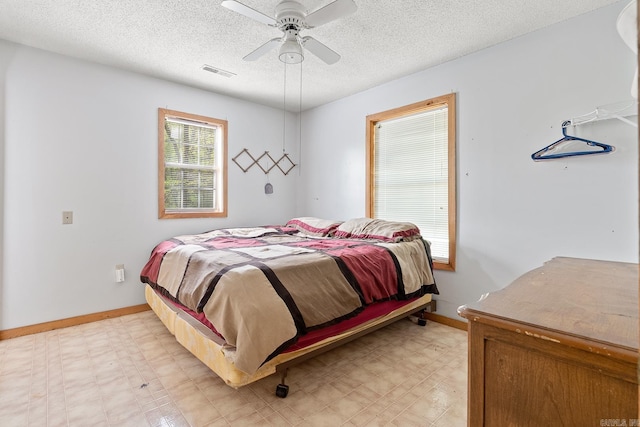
<point>540,154</point>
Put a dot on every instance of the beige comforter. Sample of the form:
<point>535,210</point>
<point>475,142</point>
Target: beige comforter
<point>264,287</point>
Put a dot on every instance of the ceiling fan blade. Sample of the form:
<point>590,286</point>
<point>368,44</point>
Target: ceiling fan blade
<point>320,50</point>
<point>249,12</point>
<point>256,54</point>
<point>334,10</point>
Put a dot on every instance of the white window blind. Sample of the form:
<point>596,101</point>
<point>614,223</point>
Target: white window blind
<point>411,174</point>
<point>190,165</point>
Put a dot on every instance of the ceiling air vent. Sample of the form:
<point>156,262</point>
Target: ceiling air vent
<point>215,70</point>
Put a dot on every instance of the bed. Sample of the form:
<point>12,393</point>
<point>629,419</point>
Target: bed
<point>251,301</point>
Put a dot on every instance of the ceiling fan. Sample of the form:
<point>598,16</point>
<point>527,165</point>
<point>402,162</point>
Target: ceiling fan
<point>291,18</point>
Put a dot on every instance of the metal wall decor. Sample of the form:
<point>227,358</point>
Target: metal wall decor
<point>241,158</point>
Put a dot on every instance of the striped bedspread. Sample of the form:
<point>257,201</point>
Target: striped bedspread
<point>263,287</point>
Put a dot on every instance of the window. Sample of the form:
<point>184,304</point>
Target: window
<point>411,171</point>
<point>192,166</point>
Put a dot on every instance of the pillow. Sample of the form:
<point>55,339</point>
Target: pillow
<point>314,226</point>
<point>378,229</point>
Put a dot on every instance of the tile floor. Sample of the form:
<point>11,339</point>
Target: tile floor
<point>130,371</point>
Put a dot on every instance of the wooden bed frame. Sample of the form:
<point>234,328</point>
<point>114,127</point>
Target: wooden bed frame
<point>207,346</point>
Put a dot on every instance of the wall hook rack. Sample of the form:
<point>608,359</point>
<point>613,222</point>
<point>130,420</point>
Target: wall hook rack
<point>285,168</point>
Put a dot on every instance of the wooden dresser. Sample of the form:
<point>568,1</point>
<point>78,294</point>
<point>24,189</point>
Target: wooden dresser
<point>557,347</point>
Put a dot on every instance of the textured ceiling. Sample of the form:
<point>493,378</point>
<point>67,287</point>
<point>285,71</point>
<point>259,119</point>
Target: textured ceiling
<point>173,39</point>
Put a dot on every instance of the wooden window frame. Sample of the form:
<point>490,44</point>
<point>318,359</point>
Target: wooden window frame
<point>449,101</point>
<point>221,212</point>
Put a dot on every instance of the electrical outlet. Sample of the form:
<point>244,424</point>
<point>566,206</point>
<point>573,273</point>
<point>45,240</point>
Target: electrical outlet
<point>67,217</point>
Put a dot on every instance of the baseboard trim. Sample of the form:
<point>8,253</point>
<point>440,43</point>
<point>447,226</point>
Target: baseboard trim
<point>438,318</point>
<point>88,318</point>
<point>71,321</point>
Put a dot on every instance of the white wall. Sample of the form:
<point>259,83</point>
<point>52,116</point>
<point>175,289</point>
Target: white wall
<point>83,137</point>
<point>513,213</point>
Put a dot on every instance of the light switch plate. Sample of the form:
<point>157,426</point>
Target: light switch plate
<point>67,217</point>
<point>119,273</point>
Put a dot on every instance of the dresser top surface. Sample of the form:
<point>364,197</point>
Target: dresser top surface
<point>590,299</point>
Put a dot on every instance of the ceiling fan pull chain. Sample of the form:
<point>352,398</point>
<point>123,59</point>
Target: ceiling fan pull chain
<point>299,109</point>
<point>284,107</point>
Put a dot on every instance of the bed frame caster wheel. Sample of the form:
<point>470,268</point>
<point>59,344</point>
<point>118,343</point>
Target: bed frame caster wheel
<point>422,322</point>
<point>282,390</point>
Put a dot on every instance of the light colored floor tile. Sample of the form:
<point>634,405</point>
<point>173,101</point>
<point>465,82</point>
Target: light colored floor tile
<point>409,419</point>
<point>454,416</point>
<point>130,371</point>
<point>87,413</point>
<point>324,418</point>
<point>429,407</point>
<point>197,410</point>
<point>364,417</point>
<point>276,419</point>
<point>350,404</point>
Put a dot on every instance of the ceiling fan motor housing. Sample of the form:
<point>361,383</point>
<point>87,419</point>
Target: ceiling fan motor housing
<point>290,16</point>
